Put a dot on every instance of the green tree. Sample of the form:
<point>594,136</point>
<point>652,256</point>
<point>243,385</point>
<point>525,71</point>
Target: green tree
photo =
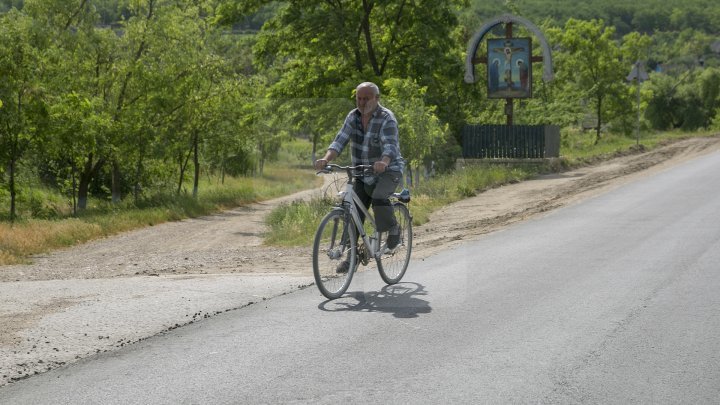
<point>324,48</point>
<point>75,81</point>
<point>689,101</point>
<point>663,106</point>
<point>635,49</point>
<point>25,113</point>
<point>181,80</point>
<point>709,88</point>
<point>159,69</point>
<point>268,130</point>
<point>591,61</point>
<point>419,127</point>
<point>228,148</point>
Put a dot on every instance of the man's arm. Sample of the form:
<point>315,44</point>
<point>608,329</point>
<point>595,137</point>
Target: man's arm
<point>390,140</point>
<point>341,139</point>
<point>330,155</point>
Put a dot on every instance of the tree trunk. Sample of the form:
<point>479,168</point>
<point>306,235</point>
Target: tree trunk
<point>599,120</point>
<point>183,166</point>
<point>83,187</point>
<point>313,156</point>
<point>74,188</point>
<point>365,24</point>
<point>13,192</point>
<point>222,170</point>
<point>14,157</point>
<point>89,171</point>
<point>116,189</point>
<point>409,176</point>
<point>261,161</point>
<point>138,172</point>
<point>196,162</point>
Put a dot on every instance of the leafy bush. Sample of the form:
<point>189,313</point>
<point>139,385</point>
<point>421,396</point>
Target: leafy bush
<point>295,223</point>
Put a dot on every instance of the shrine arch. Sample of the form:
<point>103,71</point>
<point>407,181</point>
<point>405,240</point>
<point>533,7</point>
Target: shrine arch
<point>548,74</point>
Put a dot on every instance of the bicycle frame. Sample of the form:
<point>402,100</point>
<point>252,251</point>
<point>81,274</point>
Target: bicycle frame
<point>331,260</point>
<point>353,204</point>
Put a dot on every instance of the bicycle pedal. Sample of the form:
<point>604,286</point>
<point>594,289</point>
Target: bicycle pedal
<point>363,255</point>
<point>388,251</point>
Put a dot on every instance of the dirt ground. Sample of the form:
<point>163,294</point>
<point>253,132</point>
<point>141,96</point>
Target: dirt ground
<point>97,297</point>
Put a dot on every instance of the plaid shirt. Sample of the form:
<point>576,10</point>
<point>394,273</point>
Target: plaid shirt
<point>368,146</point>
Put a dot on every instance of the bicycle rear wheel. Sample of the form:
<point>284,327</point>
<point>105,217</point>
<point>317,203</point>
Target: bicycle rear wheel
<point>335,243</point>
<point>393,264</point>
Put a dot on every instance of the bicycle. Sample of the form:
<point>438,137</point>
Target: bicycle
<point>336,239</point>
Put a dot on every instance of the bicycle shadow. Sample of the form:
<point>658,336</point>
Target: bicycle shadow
<point>401,300</point>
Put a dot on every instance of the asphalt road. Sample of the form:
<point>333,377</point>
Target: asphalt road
<point>611,300</point>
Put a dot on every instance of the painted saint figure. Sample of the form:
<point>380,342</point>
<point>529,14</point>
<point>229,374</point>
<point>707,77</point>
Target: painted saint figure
<point>494,75</point>
<point>508,50</point>
<point>524,74</point>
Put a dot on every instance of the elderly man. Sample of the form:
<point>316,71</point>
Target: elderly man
<point>372,132</point>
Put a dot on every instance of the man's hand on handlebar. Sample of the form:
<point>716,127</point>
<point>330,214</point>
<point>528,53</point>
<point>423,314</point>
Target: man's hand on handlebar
<point>320,164</point>
<point>379,166</point>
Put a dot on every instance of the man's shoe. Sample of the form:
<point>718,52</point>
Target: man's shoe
<point>393,241</point>
<point>343,267</point>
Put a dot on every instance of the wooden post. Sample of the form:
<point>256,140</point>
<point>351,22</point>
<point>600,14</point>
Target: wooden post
<point>509,101</point>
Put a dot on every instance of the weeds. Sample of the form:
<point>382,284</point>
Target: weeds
<point>27,237</point>
<point>290,224</point>
<point>295,224</point>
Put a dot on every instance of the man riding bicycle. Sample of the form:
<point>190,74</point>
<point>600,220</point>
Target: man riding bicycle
<point>372,132</point>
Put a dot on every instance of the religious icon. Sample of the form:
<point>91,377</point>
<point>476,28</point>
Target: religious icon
<point>509,60</point>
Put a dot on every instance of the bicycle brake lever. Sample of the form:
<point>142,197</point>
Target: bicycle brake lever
<point>326,170</point>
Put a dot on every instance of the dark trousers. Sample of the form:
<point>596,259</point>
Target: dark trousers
<point>377,195</point>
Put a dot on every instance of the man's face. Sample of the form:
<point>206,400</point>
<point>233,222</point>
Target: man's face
<point>366,100</point>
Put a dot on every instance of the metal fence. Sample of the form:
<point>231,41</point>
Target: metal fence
<point>511,142</point>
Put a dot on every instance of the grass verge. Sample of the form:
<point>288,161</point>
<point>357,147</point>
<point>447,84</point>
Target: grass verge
<point>34,236</point>
<point>295,224</point>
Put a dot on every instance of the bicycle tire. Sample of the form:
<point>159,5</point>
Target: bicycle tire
<point>335,186</point>
<point>392,265</point>
<point>334,243</point>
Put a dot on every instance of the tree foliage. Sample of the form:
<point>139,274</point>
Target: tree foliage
<point>24,115</point>
<point>123,100</point>
<point>591,62</point>
<point>123,104</point>
<point>420,129</point>
<point>325,48</point>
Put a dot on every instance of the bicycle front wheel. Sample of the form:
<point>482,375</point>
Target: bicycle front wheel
<point>392,264</point>
<point>334,254</point>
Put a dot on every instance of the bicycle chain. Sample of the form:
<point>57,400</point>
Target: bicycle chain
<point>363,254</point>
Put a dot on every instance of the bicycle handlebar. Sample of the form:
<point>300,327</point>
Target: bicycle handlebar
<point>403,196</point>
<point>349,169</point>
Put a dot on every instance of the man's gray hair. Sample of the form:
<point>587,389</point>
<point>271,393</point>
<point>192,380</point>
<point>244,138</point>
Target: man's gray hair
<point>372,85</point>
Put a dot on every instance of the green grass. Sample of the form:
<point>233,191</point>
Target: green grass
<point>26,237</point>
<point>295,224</point>
<point>579,148</point>
<point>446,189</point>
<point>290,224</point>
